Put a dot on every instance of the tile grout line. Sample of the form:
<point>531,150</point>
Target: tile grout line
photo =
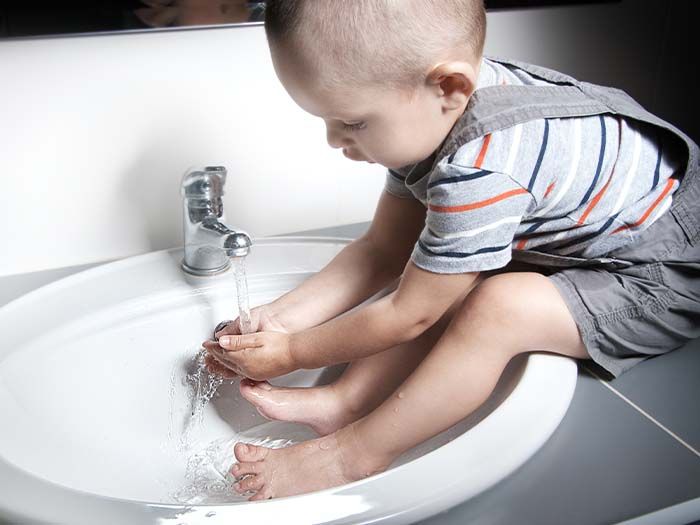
<point>641,411</point>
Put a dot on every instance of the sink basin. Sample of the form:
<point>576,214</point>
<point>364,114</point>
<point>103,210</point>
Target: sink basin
<point>96,407</point>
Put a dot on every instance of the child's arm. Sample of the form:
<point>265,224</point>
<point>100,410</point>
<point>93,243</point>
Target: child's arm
<point>360,270</point>
<point>421,299</point>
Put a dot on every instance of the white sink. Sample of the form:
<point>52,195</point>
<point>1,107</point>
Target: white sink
<point>95,411</point>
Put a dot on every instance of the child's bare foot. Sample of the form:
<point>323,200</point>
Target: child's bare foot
<point>312,465</point>
<point>321,408</point>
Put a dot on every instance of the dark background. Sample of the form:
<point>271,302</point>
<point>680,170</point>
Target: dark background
<point>28,19</point>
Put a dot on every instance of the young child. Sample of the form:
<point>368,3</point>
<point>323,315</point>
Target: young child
<point>524,211</point>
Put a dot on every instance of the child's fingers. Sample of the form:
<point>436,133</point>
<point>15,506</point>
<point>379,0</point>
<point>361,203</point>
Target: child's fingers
<point>221,371</point>
<point>215,367</point>
<point>231,360</point>
<point>225,358</point>
<point>227,327</point>
<point>239,342</point>
<point>214,350</point>
<point>211,346</point>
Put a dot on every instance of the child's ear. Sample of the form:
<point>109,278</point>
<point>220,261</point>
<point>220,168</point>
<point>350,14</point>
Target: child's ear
<point>453,82</point>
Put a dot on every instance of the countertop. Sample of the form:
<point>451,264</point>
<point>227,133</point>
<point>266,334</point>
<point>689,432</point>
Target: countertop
<point>627,451</point>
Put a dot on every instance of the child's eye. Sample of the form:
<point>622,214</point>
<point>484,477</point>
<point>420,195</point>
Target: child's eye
<point>354,126</point>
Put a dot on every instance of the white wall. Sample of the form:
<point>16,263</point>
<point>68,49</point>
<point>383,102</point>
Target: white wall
<point>96,132</point>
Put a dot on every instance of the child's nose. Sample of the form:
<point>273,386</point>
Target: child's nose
<point>336,138</point>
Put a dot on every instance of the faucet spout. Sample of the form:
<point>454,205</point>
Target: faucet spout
<point>237,244</point>
<point>209,242</point>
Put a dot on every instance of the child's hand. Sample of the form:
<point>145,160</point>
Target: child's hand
<point>259,356</point>
<point>262,319</point>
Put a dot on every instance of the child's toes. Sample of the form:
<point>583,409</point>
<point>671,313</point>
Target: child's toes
<point>243,469</point>
<point>245,452</point>
<point>250,483</point>
<point>263,493</point>
<point>256,384</point>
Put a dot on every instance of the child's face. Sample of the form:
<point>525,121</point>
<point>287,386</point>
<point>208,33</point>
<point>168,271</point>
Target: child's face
<point>377,125</point>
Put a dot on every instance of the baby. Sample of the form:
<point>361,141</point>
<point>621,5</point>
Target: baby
<point>523,211</point>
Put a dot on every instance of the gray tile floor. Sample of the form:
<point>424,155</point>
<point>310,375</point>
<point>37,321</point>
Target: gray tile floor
<point>604,464</point>
<point>669,390</point>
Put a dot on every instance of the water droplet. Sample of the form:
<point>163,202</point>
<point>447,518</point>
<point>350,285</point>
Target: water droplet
<point>325,445</point>
<point>210,514</point>
<point>401,395</point>
<point>396,410</point>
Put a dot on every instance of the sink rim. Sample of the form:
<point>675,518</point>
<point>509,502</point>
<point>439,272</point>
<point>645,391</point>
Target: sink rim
<point>125,262</point>
<point>546,372</point>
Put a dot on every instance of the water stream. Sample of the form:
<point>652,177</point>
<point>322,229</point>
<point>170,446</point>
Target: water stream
<point>207,464</point>
<point>242,292</point>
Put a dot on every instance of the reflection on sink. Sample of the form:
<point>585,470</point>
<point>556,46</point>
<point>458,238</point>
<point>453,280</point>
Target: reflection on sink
<point>96,414</point>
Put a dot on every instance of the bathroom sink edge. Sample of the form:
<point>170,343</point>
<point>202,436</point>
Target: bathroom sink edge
<point>126,262</point>
<point>553,374</point>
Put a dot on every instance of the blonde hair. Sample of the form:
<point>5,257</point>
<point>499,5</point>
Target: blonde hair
<point>356,42</point>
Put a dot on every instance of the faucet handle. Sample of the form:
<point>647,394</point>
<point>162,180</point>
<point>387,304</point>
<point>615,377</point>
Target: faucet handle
<point>204,183</point>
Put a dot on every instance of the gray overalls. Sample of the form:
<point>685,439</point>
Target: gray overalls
<point>639,300</point>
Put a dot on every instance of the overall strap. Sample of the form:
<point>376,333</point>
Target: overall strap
<point>495,108</point>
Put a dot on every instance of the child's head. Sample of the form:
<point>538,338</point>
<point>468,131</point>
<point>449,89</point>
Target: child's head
<point>388,77</point>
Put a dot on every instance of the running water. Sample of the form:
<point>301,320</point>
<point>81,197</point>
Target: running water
<point>242,292</point>
<point>201,383</point>
<point>207,470</point>
<point>201,388</point>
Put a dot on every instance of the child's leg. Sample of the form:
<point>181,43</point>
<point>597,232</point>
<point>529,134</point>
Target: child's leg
<point>362,387</point>
<point>505,315</point>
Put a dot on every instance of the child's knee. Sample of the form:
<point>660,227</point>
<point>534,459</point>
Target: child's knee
<point>504,298</point>
<point>521,312</point>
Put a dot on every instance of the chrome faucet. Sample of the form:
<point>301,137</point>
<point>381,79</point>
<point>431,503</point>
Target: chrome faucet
<point>209,243</point>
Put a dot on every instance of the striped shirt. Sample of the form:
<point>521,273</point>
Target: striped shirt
<point>577,187</point>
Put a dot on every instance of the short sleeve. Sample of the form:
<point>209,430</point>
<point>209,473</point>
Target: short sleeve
<point>396,185</point>
<point>471,221</point>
